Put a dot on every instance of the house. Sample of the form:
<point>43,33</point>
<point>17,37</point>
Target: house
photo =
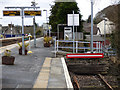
<point>17,30</point>
<point>105,26</point>
<point>9,30</point>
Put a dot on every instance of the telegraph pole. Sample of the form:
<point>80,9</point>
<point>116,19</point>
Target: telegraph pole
<point>22,11</point>
<point>23,46</point>
<point>46,19</point>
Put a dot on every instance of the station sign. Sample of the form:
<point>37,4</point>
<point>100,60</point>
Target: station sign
<point>11,13</point>
<point>32,13</point>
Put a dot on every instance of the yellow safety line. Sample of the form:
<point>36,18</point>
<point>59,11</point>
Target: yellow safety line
<point>43,77</point>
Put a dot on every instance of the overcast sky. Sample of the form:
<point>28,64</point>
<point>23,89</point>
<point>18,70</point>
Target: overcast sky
<point>84,6</point>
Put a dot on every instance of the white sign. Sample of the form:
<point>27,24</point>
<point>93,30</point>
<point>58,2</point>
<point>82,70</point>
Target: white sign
<point>68,33</point>
<point>70,19</point>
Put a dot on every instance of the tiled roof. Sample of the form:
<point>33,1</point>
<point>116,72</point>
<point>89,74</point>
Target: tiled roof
<point>87,28</point>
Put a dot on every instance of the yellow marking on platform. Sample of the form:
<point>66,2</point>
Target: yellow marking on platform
<point>41,84</point>
<point>2,49</point>
<point>43,77</point>
<point>45,70</point>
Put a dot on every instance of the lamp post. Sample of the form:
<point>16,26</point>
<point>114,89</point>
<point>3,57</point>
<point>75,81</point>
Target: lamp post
<point>46,14</point>
<point>91,26</point>
<point>105,31</point>
<point>34,5</point>
<point>73,34</point>
<point>46,18</point>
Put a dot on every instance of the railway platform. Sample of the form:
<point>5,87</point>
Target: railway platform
<point>37,70</point>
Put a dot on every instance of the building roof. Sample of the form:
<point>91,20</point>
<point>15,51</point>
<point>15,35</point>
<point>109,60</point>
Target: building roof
<point>87,28</point>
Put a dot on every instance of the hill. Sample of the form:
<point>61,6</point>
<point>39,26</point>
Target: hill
<point>111,12</point>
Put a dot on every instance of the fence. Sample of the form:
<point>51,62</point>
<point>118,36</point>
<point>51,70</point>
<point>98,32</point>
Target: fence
<point>97,48</point>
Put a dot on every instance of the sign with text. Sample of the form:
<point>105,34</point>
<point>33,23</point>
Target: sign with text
<point>32,13</point>
<point>11,13</point>
<point>70,19</point>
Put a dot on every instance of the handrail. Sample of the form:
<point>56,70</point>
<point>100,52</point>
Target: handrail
<point>73,41</point>
<point>98,47</point>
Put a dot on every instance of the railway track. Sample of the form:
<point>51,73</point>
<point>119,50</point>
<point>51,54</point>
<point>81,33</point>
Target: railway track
<point>105,82</point>
<point>76,81</point>
<point>9,41</point>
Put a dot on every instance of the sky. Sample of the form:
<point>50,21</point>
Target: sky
<point>84,6</point>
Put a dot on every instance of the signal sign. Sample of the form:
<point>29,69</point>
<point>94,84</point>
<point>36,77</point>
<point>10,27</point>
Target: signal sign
<point>11,13</point>
<point>32,13</point>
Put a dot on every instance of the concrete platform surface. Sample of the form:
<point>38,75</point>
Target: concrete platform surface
<point>54,75</point>
<point>37,70</point>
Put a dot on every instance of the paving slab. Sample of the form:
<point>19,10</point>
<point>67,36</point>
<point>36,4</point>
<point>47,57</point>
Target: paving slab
<point>43,77</point>
<point>24,72</point>
<point>36,71</point>
<point>57,78</point>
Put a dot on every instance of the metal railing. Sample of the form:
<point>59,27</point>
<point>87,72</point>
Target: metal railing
<point>97,48</point>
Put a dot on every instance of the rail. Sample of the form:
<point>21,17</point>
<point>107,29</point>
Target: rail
<point>107,85</point>
<point>105,82</point>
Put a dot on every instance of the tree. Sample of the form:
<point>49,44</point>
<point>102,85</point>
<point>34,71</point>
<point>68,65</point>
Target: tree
<point>18,29</point>
<point>94,20</point>
<point>59,13</point>
<point>113,14</point>
<point>89,19</point>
